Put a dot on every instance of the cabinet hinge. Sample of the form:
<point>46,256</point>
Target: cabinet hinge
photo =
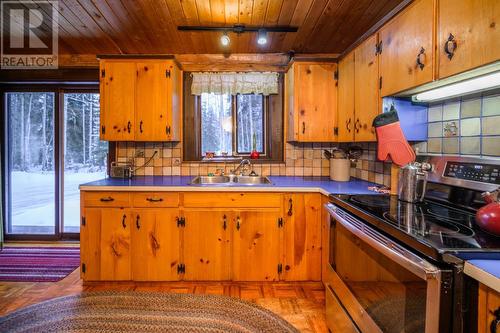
<point>280,268</point>
<point>167,130</point>
<point>280,222</point>
<point>335,131</point>
<point>181,269</point>
<point>181,221</point>
<point>103,129</point>
<point>336,75</point>
<point>83,220</point>
<point>84,268</point>
<point>380,83</point>
<point>167,73</point>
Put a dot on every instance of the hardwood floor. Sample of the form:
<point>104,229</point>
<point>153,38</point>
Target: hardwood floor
<point>301,303</point>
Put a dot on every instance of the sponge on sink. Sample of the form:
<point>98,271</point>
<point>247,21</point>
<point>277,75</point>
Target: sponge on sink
<point>391,139</point>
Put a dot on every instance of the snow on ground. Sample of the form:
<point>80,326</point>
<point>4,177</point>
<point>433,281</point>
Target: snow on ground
<point>33,202</point>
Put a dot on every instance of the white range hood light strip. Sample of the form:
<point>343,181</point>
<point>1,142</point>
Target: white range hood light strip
<point>460,88</point>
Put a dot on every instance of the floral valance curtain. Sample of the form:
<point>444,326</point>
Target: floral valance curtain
<point>235,83</point>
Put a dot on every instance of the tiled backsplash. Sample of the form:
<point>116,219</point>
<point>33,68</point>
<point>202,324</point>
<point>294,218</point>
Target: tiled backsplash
<point>302,159</point>
<point>466,127</point>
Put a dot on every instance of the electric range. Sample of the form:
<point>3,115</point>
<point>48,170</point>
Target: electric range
<point>400,263</point>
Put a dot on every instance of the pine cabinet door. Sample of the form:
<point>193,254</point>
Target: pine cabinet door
<point>90,244</point>
<point>367,103</point>
<point>468,34</point>
<point>153,101</point>
<point>115,244</point>
<point>117,86</point>
<point>406,56</point>
<point>316,102</point>
<point>155,244</point>
<point>206,245</point>
<point>256,245</point>
<point>302,237</point>
<point>346,99</point>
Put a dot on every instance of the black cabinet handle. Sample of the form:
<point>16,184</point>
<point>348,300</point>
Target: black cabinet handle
<point>129,126</point>
<point>420,64</point>
<point>108,199</point>
<point>290,207</point>
<point>124,225</point>
<point>154,200</point>
<point>140,126</point>
<point>495,322</point>
<point>450,51</point>
<point>303,127</point>
<point>357,125</point>
<point>137,222</point>
<point>348,125</point>
<point>224,223</point>
<point>238,223</point>
<point>167,130</point>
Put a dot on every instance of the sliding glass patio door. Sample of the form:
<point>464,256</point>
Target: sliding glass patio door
<point>52,146</point>
<point>31,165</point>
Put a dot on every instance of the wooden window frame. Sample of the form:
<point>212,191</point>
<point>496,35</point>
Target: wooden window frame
<point>273,126</point>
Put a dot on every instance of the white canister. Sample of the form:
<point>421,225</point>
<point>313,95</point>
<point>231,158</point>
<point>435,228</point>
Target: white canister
<point>340,169</point>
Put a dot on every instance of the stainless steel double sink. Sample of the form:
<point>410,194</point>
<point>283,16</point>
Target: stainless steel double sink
<point>231,180</point>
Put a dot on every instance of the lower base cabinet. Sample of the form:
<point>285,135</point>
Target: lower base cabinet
<point>488,309</point>
<point>155,246</point>
<point>207,247</point>
<point>151,237</point>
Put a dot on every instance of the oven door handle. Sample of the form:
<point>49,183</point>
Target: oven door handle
<point>418,266</point>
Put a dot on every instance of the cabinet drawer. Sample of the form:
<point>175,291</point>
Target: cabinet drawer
<point>155,199</point>
<point>229,200</point>
<point>106,199</point>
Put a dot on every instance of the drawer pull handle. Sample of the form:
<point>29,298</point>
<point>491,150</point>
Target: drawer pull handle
<point>224,223</point>
<point>290,207</point>
<point>138,222</point>
<point>140,126</point>
<point>108,199</point>
<point>129,126</point>
<point>124,225</point>
<point>154,199</point>
<point>238,223</point>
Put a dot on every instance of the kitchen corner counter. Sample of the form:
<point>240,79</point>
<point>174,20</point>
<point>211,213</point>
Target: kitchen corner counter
<point>322,185</point>
<point>485,271</point>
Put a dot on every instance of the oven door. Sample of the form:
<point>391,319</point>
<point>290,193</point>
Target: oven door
<point>382,286</point>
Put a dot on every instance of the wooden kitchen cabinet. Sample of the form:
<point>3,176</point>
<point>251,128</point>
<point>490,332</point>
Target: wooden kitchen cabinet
<point>207,247</point>
<point>406,52</point>
<point>468,35</point>
<point>311,102</point>
<point>367,102</point>
<point>155,244</point>
<point>346,99</point>
<point>117,90</point>
<point>488,308</point>
<point>157,101</point>
<point>115,244</point>
<point>256,245</point>
<point>302,237</point>
<point>140,100</point>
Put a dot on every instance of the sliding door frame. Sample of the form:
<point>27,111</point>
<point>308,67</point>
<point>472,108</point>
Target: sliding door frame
<point>59,90</point>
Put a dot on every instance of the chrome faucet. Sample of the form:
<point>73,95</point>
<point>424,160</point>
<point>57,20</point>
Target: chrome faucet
<point>244,164</point>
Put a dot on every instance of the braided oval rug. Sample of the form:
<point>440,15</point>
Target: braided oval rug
<point>144,312</point>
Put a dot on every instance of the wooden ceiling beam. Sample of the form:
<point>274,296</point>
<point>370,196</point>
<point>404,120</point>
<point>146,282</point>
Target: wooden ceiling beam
<point>239,62</point>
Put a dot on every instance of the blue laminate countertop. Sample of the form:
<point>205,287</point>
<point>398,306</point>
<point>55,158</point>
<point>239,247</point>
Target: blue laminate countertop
<point>182,183</point>
<point>483,267</point>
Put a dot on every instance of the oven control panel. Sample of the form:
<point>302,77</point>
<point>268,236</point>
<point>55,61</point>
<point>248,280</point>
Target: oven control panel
<point>484,173</point>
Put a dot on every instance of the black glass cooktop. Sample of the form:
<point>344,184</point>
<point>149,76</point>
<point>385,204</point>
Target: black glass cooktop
<point>441,227</point>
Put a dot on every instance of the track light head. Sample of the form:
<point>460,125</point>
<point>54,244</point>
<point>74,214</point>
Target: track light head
<point>262,37</point>
<point>224,39</point>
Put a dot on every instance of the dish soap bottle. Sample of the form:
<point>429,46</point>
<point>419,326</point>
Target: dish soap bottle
<point>254,154</point>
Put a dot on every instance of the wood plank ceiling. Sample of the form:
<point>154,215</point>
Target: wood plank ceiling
<point>150,26</point>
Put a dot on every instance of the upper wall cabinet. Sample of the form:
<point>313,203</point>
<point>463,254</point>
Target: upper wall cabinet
<point>346,99</point>
<point>468,34</point>
<point>405,48</point>
<point>311,102</point>
<point>367,101</point>
<point>140,100</point>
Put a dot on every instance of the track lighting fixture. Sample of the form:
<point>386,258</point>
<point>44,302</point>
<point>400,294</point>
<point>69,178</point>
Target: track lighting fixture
<point>262,37</point>
<point>224,39</point>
